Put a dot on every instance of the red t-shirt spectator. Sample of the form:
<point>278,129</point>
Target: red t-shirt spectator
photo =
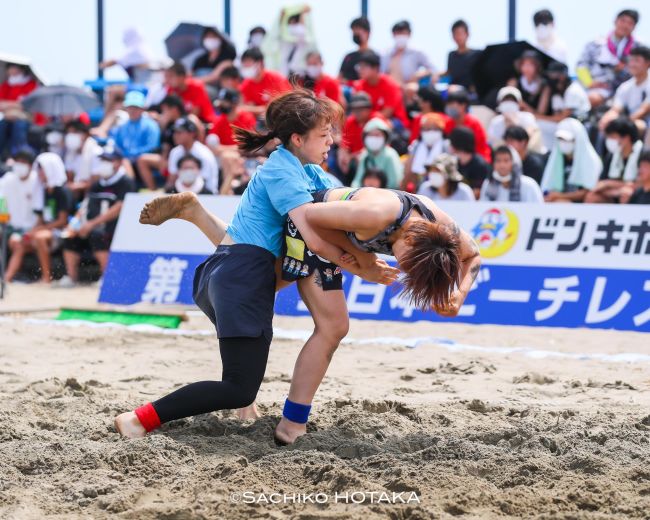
<point>385,94</point>
<point>17,92</point>
<point>415,125</point>
<point>260,92</point>
<point>329,87</point>
<point>480,137</point>
<point>195,96</point>
<point>352,134</point>
<point>222,127</point>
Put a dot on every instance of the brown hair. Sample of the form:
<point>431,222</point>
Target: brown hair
<point>431,264</point>
<point>294,112</point>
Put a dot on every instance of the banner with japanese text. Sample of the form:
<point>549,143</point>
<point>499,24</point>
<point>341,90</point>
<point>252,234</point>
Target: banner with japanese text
<point>561,265</point>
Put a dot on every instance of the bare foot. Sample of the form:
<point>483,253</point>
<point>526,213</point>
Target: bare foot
<point>288,431</point>
<point>128,425</point>
<point>249,412</point>
<point>161,209</point>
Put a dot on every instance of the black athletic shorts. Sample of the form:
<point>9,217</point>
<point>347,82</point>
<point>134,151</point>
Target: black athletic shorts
<point>95,241</point>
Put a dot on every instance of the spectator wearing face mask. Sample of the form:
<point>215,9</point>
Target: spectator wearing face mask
<point>191,90</point>
<point>534,89</point>
<point>385,93</point>
<point>81,151</point>
<point>260,84</point>
<point>532,163</point>
<point>457,108</point>
<point>472,166</point>
<point>185,137</point>
<point>444,181</point>
<point>424,150</point>
<point>17,187</point>
<point>378,154</point>
<point>219,54</point>
<point>94,224</point>
<point>602,67</point>
<point>402,63</point>
<point>573,166</point>
<point>510,114</point>
<point>507,183</point>
<point>256,37</point>
<point>617,181</point>
<point>547,38</point>
<point>231,114</point>
<point>189,177</point>
<point>461,61</point>
<point>14,124</point>
<point>642,194</point>
<point>360,28</point>
<point>428,100</point>
<point>322,84</point>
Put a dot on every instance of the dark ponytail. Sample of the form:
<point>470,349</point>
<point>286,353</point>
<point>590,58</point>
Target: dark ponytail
<point>294,112</point>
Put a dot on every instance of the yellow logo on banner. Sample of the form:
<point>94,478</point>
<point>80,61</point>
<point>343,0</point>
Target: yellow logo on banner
<point>496,232</point>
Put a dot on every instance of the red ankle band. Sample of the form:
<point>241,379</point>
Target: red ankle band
<point>148,417</point>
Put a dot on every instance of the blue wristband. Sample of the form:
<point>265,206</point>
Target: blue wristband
<point>296,412</point>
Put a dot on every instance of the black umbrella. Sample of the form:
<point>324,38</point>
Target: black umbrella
<point>187,38</point>
<point>60,100</point>
<point>496,65</point>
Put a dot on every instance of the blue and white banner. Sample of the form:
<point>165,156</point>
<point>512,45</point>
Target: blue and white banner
<point>558,265</point>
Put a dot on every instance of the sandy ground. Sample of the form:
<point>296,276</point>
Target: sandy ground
<point>453,432</point>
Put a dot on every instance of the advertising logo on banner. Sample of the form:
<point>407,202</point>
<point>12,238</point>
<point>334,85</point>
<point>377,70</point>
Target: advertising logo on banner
<point>561,265</point>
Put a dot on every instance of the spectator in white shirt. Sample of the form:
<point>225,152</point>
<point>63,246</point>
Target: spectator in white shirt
<point>510,114</point>
<point>402,63</point>
<point>81,150</point>
<point>547,39</point>
<point>507,183</point>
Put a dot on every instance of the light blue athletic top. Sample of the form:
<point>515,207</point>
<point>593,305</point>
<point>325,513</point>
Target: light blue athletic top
<point>281,184</point>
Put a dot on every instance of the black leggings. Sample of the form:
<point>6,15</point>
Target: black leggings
<point>244,362</point>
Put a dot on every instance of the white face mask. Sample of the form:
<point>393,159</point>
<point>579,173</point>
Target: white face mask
<point>401,40</point>
<point>543,32</point>
<point>248,72</point>
<point>501,178</point>
<point>436,179</point>
<point>54,138</point>
<point>612,145</point>
<point>566,147</point>
<point>374,143</point>
<point>297,30</point>
<point>256,39</point>
<point>21,169</point>
<point>212,44</point>
<point>314,71</point>
<point>431,137</point>
<point>19,79</point>
<point>73,142</point>
<point>105,169</point>
<point>188,176</point>
<point>508,107</point>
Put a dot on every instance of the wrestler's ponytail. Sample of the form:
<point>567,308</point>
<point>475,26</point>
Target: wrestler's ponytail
<point>294,112</point>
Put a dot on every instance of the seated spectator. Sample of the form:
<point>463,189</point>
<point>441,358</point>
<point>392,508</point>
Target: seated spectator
<point>602,67</point>
<point>256,37</point>
<point>374,179</point>
<point>17,187</point>
<point>507,183</point>
<point>360,35</point>
<point>547,39</point>
<point>424,150</point>
<point>642,194</point>
<point>573,166</point>
<point>457,108</point>
<point>139,135</point>
<point>461,61</point>
<point>533,88</point>
<point>633,96</point>
<point>617,181</point>
<point>52,203</point>
<point>378,154</point>
<point>532,163</point>
<point>386,95</point>
<point>230,114</point>
<point>185,137</point>
<point>14,122</point>
<point>510,114</point>
<point>322,84</point>
<point>402,63</point>
<point>94,224</point>
<point>472,166</point>
<point>428,100</point>
<point>191,91</point>
<point>189,177</point>
<point>259,84</point>
<point>219,54</point>
<point>81,150</point>
<point>136,58</point>
<point>230,78</point>
<point>444,181</point>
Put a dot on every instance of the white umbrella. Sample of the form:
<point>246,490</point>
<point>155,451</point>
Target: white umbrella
<point>7,58</point>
